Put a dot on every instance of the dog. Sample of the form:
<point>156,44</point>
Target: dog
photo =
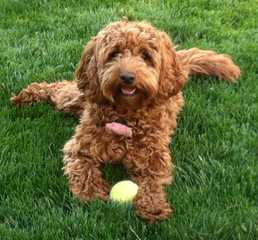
<point>130,76</point>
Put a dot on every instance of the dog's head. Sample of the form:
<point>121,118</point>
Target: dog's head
<point>130,64</point>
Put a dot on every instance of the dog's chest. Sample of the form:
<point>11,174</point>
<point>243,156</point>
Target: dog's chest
<point>109,147</point>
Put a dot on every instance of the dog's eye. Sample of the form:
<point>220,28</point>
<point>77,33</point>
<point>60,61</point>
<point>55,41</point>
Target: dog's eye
<point>112,55</point>
<point>147,57</point>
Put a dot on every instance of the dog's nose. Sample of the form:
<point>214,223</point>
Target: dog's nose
<point>127,77</point>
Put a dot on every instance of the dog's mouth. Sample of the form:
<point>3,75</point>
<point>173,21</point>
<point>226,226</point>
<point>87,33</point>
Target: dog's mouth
<point>128,91</point>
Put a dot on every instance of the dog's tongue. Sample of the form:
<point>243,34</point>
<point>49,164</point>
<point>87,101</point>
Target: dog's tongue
<point>119,129</point>
<point>128,91</point>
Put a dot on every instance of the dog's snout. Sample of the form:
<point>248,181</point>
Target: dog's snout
<point>127,77</point>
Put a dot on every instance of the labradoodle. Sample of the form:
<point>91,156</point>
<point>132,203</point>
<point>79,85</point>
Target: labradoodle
<point>128,93</point>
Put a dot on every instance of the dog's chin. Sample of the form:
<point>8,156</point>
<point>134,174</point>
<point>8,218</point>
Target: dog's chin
<point>129,97</point>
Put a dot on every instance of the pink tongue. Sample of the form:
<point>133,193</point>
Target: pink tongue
<point>128,91</point>
<point>119,129</point>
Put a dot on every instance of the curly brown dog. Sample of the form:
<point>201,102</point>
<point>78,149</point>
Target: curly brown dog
<point>131,74</point>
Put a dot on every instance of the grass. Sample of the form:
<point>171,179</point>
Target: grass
<point>215,193</point>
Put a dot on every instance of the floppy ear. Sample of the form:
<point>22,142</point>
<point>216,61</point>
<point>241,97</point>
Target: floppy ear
<point>86,74</point>
<point>172,76</point>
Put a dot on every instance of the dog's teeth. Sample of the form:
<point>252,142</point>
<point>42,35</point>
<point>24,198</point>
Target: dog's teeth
<point>128,91</point>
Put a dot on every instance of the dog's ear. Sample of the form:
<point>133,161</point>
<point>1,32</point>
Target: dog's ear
<point>86,74</point>
<point>172,76</point>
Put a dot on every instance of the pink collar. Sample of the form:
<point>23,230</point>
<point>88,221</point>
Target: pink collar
<point>119,129</point>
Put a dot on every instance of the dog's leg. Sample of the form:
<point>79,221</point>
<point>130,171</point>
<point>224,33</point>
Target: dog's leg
<point>83,172</point>
<point>150,202</point>
<point>64,95</point>
<point>151,175</point>
<point>204,62</point>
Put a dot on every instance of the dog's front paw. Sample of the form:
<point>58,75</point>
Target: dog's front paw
<point>89,191</point>
<point>152,208</point>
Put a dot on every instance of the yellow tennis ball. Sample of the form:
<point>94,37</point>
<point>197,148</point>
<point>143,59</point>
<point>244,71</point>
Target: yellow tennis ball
<point>124,191</point>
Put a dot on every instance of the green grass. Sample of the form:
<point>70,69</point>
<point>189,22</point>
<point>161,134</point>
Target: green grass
<point>215,193</point>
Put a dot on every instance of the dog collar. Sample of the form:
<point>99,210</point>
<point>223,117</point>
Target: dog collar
<point>119,129</point>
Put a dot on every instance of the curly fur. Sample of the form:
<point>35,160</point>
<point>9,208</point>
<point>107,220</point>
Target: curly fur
<point>160,73</point>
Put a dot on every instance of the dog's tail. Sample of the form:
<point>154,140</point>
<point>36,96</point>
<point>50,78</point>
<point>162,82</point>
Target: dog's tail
<point>203,62</point>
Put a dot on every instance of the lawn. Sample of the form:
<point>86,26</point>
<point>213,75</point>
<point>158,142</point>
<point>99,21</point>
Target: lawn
<point>215,149</point>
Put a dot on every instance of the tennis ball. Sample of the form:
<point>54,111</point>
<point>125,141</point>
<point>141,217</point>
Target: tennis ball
<point>124,191</point>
